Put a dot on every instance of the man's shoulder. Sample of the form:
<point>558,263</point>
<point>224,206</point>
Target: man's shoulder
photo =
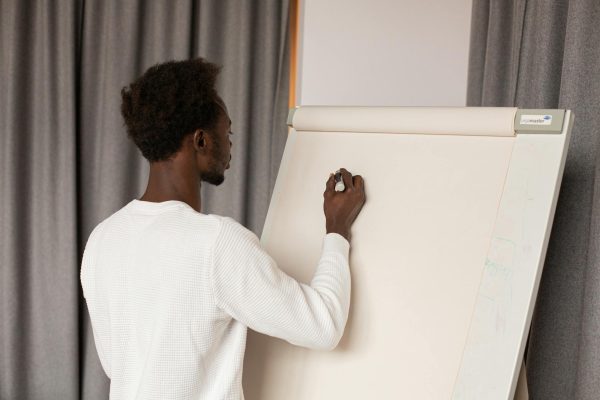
<point>230,229</point>
<point>104,223</point>
<point>96,232</point>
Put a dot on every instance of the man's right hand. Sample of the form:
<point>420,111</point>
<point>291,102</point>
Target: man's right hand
<point>342,208</point>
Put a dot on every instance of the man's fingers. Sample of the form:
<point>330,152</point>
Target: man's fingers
<point>359,183</point>
<point>347,178</point>
<point>330,185</point>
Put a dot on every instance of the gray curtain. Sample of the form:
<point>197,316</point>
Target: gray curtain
<point>546,54</point>
<point>67,163</point>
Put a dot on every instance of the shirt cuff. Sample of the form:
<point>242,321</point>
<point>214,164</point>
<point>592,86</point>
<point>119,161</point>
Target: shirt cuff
<point>336,243</point>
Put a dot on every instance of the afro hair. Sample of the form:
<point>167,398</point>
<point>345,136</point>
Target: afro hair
<point>168,102</point>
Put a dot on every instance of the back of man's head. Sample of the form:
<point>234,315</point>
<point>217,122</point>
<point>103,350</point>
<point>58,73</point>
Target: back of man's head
<point>168,102</point>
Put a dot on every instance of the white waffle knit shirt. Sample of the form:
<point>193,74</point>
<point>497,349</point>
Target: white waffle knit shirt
<point>170,292</point>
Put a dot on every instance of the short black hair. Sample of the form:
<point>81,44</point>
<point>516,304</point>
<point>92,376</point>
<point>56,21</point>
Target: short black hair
<point>168,102</point>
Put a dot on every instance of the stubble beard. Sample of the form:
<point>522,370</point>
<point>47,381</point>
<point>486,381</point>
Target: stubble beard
<point>214,177</point>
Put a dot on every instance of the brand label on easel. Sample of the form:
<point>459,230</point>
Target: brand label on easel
<point>543,119</point>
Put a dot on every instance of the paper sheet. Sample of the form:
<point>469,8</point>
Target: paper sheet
<point>418,249</point>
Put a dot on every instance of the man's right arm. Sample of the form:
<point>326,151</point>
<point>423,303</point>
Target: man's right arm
<point>250,287</point>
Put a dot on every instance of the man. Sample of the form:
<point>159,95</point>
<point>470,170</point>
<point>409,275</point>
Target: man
<point>170,290</point>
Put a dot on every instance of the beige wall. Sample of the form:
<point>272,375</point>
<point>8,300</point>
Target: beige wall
<point>383,52</point>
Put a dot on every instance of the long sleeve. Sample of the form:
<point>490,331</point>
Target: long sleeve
<point>98,310</point>
<point>250,287</point>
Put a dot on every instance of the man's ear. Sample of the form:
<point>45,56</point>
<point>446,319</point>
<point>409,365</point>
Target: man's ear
<point>199,140</point>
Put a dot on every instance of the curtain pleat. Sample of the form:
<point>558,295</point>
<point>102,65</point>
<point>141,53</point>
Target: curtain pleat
<point>39,285</point>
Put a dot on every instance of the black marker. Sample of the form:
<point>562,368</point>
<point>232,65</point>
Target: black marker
<point>339,182</point>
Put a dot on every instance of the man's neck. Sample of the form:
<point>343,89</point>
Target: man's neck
<point>168,182</point>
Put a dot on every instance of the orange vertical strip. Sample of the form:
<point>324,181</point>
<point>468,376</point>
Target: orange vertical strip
<point>294,24</point>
